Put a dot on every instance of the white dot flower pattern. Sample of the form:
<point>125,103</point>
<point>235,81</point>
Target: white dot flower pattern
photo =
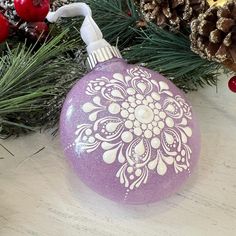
<point>141,131</point>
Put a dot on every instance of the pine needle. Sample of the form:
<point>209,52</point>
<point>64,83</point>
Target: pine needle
<point>28,82</point>
<point>116,18</point>
<point>170,54</point>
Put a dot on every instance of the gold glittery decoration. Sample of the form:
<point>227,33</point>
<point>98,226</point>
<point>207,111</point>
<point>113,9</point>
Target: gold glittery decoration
<point>213,33</point>
<point>217,2</point>
<point>172,13</point>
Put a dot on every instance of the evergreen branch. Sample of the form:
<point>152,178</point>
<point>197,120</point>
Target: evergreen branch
<point>170,54</point>
<point>116,18</point>
<point>29,81</point>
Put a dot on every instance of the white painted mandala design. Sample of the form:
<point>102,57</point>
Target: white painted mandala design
<point>137,131</point>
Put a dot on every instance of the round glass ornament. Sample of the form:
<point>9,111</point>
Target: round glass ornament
<point>129,133</point>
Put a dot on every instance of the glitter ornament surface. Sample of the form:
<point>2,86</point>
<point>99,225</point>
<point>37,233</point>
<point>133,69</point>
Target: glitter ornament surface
<point>129,133</point>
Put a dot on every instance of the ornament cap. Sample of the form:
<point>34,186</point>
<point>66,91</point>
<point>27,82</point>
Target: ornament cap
<point>102,55</point>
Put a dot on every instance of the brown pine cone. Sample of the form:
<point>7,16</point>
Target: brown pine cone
<point>229,64</point>
<point>55,4</point>
<point>172,12</point>
<point>7,8</point>
<point>213,34</point>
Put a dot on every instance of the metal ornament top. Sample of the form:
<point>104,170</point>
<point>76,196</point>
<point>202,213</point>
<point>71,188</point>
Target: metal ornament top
<point>103,54</point>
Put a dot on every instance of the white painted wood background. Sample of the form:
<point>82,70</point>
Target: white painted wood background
<point>41,196</point>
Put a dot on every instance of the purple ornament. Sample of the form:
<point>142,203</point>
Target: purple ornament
<point>129,133</point>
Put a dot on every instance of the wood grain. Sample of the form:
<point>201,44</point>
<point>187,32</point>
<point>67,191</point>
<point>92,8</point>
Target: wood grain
<point>41,196</point>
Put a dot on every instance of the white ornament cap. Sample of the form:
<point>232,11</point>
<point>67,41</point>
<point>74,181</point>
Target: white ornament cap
<point>103,54</point>
<point>98,48</point>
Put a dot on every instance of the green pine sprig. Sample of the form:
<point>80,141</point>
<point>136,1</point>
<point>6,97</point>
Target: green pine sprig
<point>29,81</point>
<point>170,54</point>
<point>117,19</point>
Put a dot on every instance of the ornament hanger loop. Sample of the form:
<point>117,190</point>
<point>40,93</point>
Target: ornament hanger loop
<point>72,10</point>
<point>90,32</point>
<point>99,49</point>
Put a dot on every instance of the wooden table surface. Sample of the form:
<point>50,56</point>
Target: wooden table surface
<point>41,196</point>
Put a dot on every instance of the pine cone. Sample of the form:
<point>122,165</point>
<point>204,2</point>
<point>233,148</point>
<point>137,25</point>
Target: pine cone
<point>7,8</point>
<point>213,34</point>
<point>172,12</point>
<point>55,4</point>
